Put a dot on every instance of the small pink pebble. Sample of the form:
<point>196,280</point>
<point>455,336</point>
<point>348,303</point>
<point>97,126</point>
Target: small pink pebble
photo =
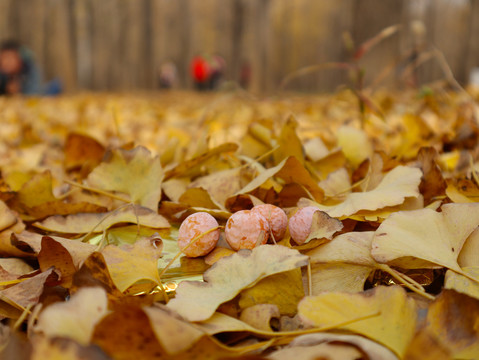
<point>246,229</point>
<point>193,226</point>
<point>300,224</point>
<point>276,217</point>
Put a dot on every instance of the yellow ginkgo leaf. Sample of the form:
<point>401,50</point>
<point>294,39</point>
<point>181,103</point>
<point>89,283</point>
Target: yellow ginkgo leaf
<point>462,284</point>
<point>397,185</point>
<point>290,170</point>
<point>338,277</point>
<point>260,315</point>
<point>469,255</point>
<point>284,290</point>
<point>288,142</point>
<point>393,326</point>
<point>129,264</point>
<point>220,185</point>
<point>343,264</point>
<point>76,318</point>
<point>373,350</point>
<point>83,223</point>
<point>425,238</point>
<point>355,144</point>
<point>452,319</point>
<point>337,185</point>
<point>134,172</point>
<point>7,217</point>
<point>197,301</point>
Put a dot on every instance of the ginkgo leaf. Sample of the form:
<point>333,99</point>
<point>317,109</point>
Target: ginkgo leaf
<point>82,150</point>
<point>32,243</point>
<point>288,142</point>
<point>397,185</point>
<point>337,185</point>
<point>452,319</point>
<point>129,264</point>
<point>198,197</point>
<point>469,255</point>
<point>27,293</point>
<point>220,185</point>
<point>355,144</point>
<point>197,301</point>
<point>315,149</point>
<point>462,284</point>
<point>126,333</point>
<point>338,277</point>
<point>37,190</point>
<point>187,166</point>
<point>60,348</point>
<point>7,217</point>
<point>323,227</point>
<point>291,171</point>
<point>75,319</point>
<point>134,172</point>
<point>284,290</point>
<point>83,223</point>
<point>373,350</point>
<point>338,350</point>
<point>260,315</point>
<point>343,264</point>
<point>393,326</point>
<point>53,254</point>
<point>409,239</point>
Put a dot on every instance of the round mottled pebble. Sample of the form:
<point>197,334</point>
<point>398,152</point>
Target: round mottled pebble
<point>193,226</point>
<point>246,229</point>
<point>276,217</point>
<point>300,224</point>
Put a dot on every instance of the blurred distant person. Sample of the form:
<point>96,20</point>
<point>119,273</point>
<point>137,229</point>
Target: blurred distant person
<point>245,75</point>
<point>207,71</point>
<point>168,75</point>
<point>18,71</point>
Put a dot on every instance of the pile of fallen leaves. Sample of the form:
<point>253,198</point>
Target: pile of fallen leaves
<point>93,189</point>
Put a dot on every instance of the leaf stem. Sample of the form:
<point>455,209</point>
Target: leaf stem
<point>99,191</point>
<point>406,281</point>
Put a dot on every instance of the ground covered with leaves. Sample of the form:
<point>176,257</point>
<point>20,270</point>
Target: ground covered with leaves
<point>93,190</point>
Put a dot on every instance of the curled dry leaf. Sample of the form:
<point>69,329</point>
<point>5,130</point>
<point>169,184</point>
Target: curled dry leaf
<point>54,255</point>
<point>32,243</point>
<point>197,301</point>
<point>26,294</point>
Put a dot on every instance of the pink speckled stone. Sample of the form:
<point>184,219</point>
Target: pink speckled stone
<point>300,224</point>
<point>193,226</point>
<point>245,229</point>
<point>276,217</point>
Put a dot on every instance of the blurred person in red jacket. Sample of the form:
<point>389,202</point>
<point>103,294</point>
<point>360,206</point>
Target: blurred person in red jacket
<point>207,71</point>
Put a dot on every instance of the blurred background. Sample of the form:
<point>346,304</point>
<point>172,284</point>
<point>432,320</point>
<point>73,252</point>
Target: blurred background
<point>125,45</point>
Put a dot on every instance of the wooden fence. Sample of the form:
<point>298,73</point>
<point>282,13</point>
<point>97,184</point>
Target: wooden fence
<point>119,44</point>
